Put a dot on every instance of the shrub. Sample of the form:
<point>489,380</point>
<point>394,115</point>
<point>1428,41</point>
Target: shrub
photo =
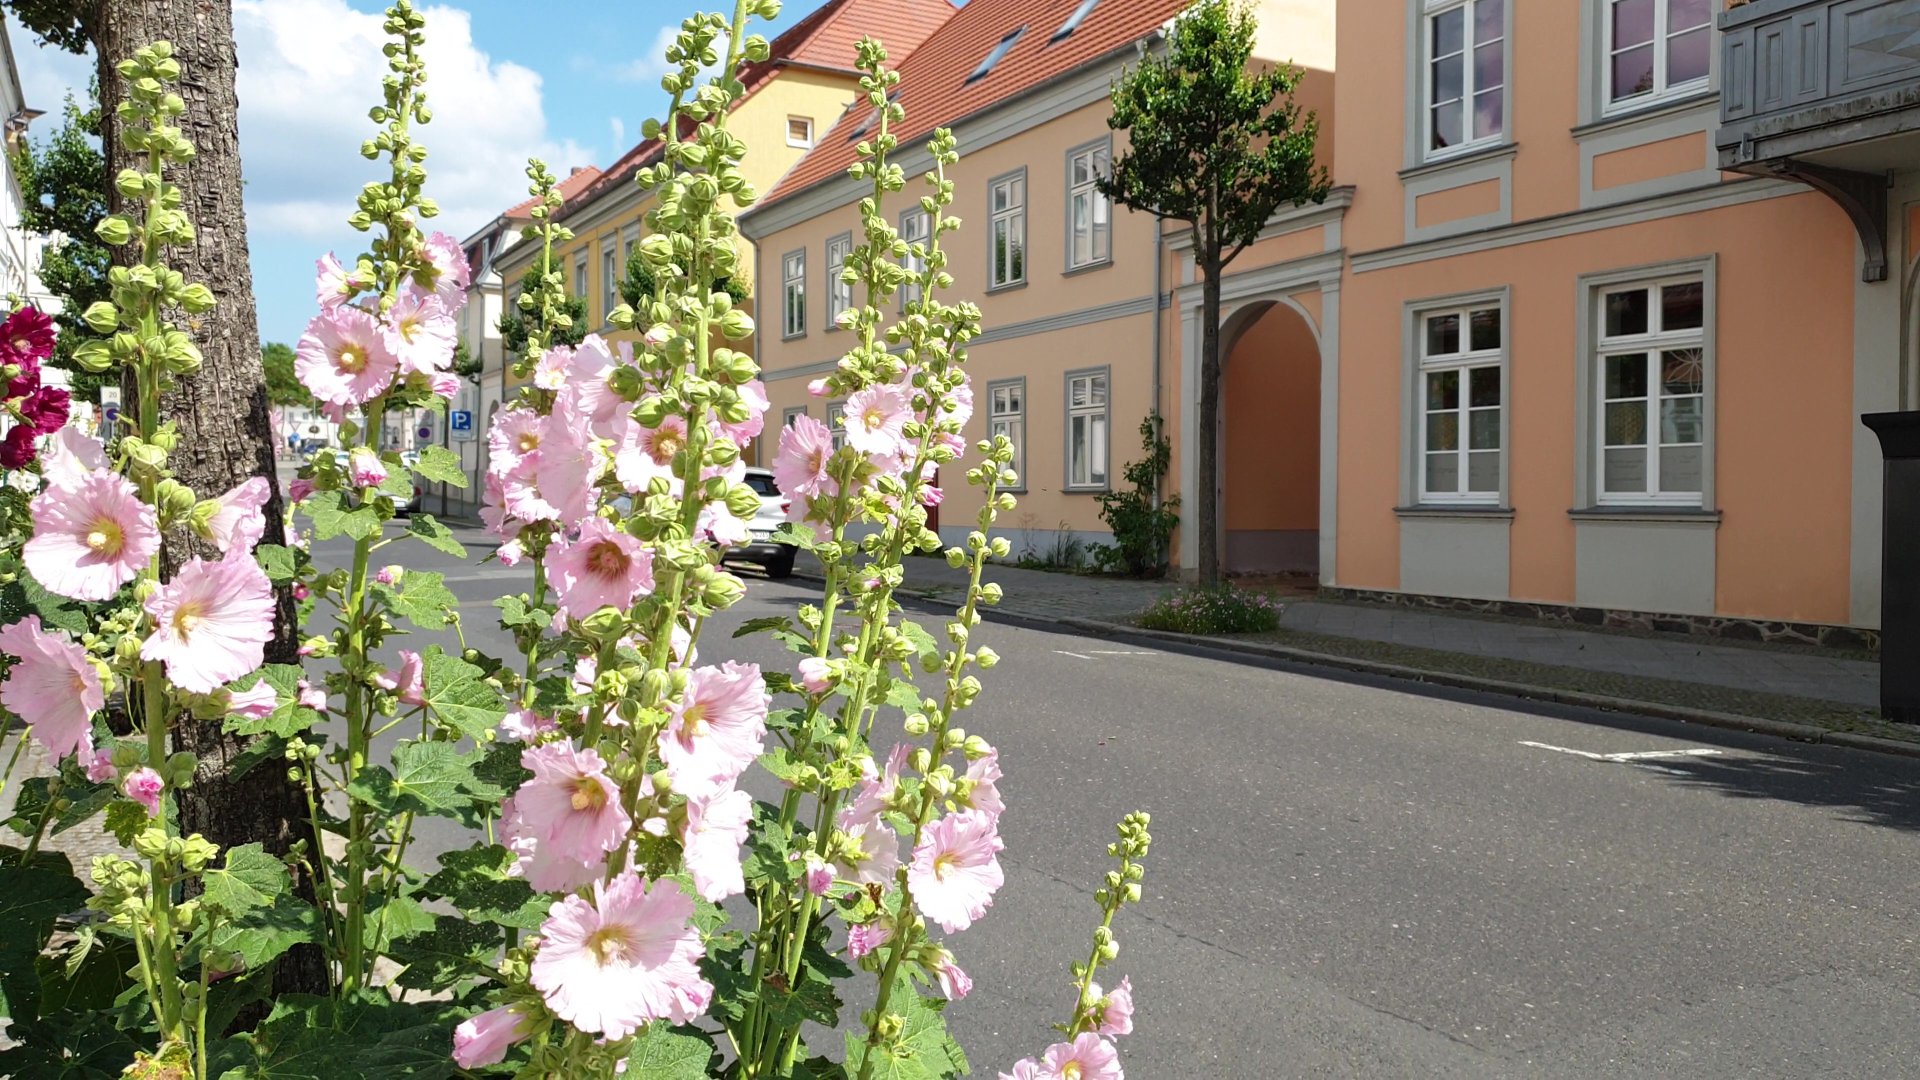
<point>1221,610</point>
<point>1142,524</point>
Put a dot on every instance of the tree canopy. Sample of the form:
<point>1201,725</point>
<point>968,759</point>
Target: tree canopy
<point>63,184</point>
<point>515,324</point>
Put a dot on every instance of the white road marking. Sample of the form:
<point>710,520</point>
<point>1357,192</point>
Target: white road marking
<point>1075,655</point>
<point>1637,758</point>
<point>1122,652</point>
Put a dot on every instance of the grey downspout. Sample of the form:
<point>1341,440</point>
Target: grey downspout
<point>1159,283</point>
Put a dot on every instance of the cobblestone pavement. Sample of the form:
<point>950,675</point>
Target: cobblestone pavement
<point>1786,672</point>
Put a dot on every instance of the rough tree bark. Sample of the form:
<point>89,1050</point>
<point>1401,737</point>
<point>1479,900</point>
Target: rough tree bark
<point>1207,433</point>
<point>221,409</point>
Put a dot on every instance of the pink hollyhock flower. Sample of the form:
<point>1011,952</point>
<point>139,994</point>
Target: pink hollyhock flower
<point>17,447</point>
<point>722,526</point>
<point>815,676</point>
<point>877,787</point>
<point>70,457</point>
<point>420,333</point>
<point>718,728</point>
<point>867,937</point>
<point>550,372</point>
<point>525,725</point>
<point>645,453</point>
<point>446,273</point>
<point>629,956</point>
<point>753,394</point>
<point>604,567</point>
<point>985,795</point>
<point>876,854</point>
<point>1026,1069</point>
<point>344,359</point>
<point>240,521</point>
<point>26,337</point>
<point>571,803</point>
<point>932,496</point>
<point>875,417</point>
<point>817,387</point>
<point>1088,1057</point>
<point>298,489</point>
<point>52,686</point>
<point>365,469</point>
<point>956,869</point>
<point>444,384</point>
<point>587,395</point>
<point>486,1038</point>
<point>404,683</point>
<point>568,469</point>
<point>514,437</point>
<point>144,786</point>
<point>954,982</point>
<point>92,537</point>
<point>99,764</point>
<point>1116,1009</point>
<point>716,827</point>
<point>800,467</point>
<point>541,864</point>
<point>334,284</point>
<point>45,410</point>
<point>311,696</point>
<point>818,875</point>
<point>510,553</point>
<point>256,702</point>
<point>212,622</point>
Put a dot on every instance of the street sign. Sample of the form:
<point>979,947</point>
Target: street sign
<point>110,397</point>
<point>460,424</point>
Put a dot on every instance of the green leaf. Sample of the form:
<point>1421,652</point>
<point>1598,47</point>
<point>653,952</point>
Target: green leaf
<point>903,695</point>
<point>441,465</point>
<point>667,1053</point>
<point>289,717</point>
<point>514,612</point>
<point>31,898</point>
<point>458,696</point>
<point>422,598</point>
<point>277,561</point>
<point>332,517</point>
<point>453,950</point>
<point>427,778</point>
<point>924,1051</point>
<point>400,918</point>
<point>313,1038</point>
<point>923,643</point>
<point>56,612</point>
<point>428,530</point>
<point>764,625</point>
<point>250,880</point>
<point>261,935</point>
<point>789,770</point>
<point>125,820</point>
<point>475,881</point>
<point>794,535</point>
<point>767,847</point>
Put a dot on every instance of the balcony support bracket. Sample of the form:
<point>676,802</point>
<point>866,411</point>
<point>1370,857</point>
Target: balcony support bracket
<point>1862,195</point>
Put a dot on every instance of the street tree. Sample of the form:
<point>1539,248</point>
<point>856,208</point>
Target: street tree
<point>63,191</point>
<point>283,386</point>
<point>221,409</point>
<point>1218,144</point>
<point>569,325</point>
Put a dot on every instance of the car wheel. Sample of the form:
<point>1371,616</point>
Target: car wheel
<point>782,564</point>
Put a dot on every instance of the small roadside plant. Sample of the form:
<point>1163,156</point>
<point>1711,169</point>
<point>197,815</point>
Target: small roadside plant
<point>1141,520</point>
<point>1223,609</point>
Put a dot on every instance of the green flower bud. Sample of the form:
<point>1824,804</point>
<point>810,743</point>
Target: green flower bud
<point>94,356</point>
<point>114,231</point>
<point>101,317</point>
<point>986,658</point>
<point>196,298</point>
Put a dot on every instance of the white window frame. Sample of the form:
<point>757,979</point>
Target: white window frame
<point>610,279</point>
<point>803,142</point>
<point>629,240</point>
<point>790,414</point>
<point>1099,158</point>
<point>916,227</point>
<point>839,292</point>
<point>1009,221</point>
<point>1010,420</point>
<point>793,294</point>
<point>1431,10</point>
<point>580,274</point>
<point>1103,410</point>
<point>1662,41</point>
<point>1654,344</point>
<point>837,422</point>
<point>1464,361</point>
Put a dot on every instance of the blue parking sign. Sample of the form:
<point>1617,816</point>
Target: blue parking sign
<point>460,420</point>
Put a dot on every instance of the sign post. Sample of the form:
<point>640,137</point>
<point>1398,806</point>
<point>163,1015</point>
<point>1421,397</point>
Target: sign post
<point>109,411</point>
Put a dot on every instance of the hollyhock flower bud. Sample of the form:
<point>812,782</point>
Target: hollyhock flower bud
<point>298,489</point>
<point>1115,1010</point>
<point>404,683</point>
<point>365,468</point>
<point>867,937</point>
<point>257,702</point>
<point>16,447</point>
<point>817,387</point>
<point>444,384</point>
<point>510,553</point>
<point>144,786</point>
<point>819,875</point>
<point>390,575</point>
<point>659,334</point>
<point>99,765</point>
<point>814,675</point>
<point>525,725</point>
<point>485,1039</point>
<point>954,982</point>
<point>300,590</point>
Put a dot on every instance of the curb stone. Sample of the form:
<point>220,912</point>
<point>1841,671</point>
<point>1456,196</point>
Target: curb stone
<point>1782,729</point>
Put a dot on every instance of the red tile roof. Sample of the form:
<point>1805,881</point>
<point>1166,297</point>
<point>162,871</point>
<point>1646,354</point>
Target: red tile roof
<point>934,86</point>
<point>825,38</point>
<point>577,181</point>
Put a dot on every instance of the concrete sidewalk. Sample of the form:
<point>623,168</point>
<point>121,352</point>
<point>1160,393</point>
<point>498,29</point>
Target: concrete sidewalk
<point>1804,674</point>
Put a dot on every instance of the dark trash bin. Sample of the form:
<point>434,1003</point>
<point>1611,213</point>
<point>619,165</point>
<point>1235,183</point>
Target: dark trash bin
<point>1899,434</point>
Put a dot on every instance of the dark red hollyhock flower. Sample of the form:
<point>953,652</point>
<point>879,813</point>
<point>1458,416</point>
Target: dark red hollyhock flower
<point>16,449</point>
<point>27,334</point>
<point>47,409</point>
<point>22,384</point>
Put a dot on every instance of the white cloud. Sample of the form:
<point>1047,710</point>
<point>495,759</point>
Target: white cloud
<point>48,74</point>
<point>651,64</point>
<point>619,127</point>
<point>309,72</point>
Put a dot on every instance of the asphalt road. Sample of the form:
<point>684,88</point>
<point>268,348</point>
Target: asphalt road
<point>1375,879</point>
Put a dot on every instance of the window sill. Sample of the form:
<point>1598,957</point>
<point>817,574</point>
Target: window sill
<point>1461,512</point>
<point>1673,515</point>
<point>1645,111</point>
<point>1490,152</point>
<point>1085,490</point>
<point>1103,264</point>
<point>793,337</point>
<point>1009,287</point>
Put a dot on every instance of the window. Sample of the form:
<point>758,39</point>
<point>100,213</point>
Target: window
<point>1462,394</point>
<point>1007,415</point>
<point>580,275</point>
<point>763,485</point>
<point>1073,21</point>
<point>609,279</point>
<point>916,227</point>
<point>1007,233</point>
<point>837,422</point>
<point>1089,214</point>
<point>628,245</point>
<point>800,132</point>
<point>1466,75</point>
<point>1651,371</point>
<point>793,275</point>
<point>787,417</point>
<point>1087,429</point>
<point>839,292</point>
<point>998,54</point>
<point>1655,49</point>
<point>873,117</point>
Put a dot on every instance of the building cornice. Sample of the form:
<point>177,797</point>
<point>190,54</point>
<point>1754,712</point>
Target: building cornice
<point>1288,219</point>
<point>1313,270</point>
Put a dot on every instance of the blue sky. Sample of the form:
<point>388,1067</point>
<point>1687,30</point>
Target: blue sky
<point>571,84</point>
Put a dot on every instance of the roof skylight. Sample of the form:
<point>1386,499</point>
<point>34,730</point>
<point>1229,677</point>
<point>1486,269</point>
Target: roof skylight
<point>1073,21</point>
<point>999,53</point>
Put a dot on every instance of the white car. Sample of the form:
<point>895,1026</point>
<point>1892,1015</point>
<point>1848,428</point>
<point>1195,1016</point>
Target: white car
<point>775,558</point>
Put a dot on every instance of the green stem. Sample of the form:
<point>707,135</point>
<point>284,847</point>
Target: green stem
<point>18,746</point>
<point>359,736</point>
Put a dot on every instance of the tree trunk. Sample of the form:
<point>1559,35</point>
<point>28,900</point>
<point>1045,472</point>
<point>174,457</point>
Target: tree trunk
<point>221,410</point>
<point>1207,430</point>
